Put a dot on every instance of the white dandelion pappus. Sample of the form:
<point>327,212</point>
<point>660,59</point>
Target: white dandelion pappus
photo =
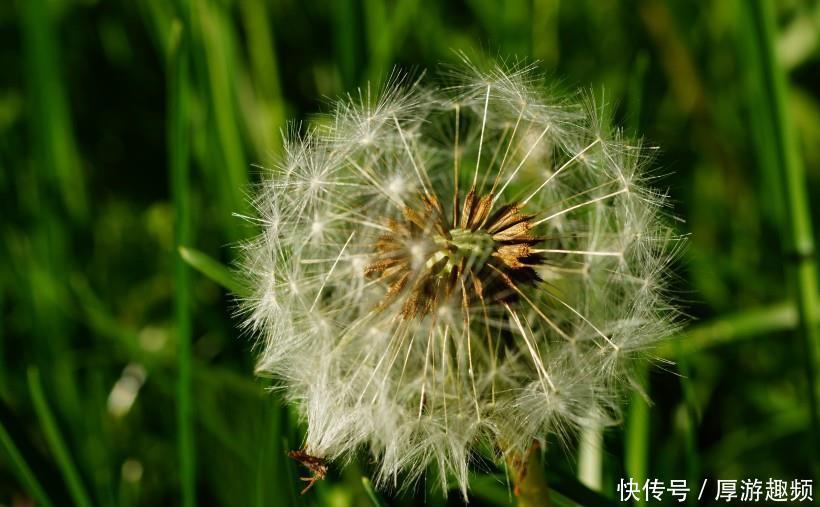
<point>445,269</point>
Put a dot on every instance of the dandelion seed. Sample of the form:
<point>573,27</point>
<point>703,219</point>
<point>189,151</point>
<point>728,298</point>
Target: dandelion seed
<point>446,268</point>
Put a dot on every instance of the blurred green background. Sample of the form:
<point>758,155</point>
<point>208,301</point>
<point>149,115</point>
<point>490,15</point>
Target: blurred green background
<point>131,127</point>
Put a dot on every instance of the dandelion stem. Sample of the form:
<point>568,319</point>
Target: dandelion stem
<point>531,488</point>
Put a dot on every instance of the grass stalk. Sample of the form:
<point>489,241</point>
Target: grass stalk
<point>797,234</point>
<point>756,435</point>
<point>52,132</point>
<point>379,44</point>
<point>3,381</point>
<point>690,424</point>
<point>216,59</point>
<point>17,463</point>
<point>545,43</point>
<point>745,324</point>
<point>214,270</point>
<point>569,487</point>
<point>264,67</point>
<point>56,443</point>
<point>374,497</point>
<point>178,164</point>
<point>344,34</point>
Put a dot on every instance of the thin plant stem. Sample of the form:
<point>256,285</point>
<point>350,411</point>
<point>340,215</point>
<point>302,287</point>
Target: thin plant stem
<point>20,467</point>
<point>374,497</point>
<point>213,35</point>
<point>214,270</point>
<point>797,234</point>
<point>264,65</point>
<point>530,482</point>
<point>3,370</point>
<point>379,44</point>
<point>691,422</point>
<point>745,324</point>
<point>52,132</point>
<point>58,446</point>
<point>178,162</point>
<point>345,40</point>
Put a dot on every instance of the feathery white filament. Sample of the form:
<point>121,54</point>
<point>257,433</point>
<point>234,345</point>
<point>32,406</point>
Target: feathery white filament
<point>481,139</point>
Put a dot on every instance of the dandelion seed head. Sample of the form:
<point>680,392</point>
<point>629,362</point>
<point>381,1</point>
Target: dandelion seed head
<point>478,264</point>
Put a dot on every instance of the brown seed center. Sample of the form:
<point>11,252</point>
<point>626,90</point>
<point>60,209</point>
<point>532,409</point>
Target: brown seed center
<point>425,262</point>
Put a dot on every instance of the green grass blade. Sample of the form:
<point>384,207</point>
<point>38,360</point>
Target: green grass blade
<point>576,491</point>
<point>758,434</point>
<point>797,234</point>
<point>545,43</point>
<point>216,57</point>
<point>269,112</point>
<point>158,15</point>
<point>55,441</point>
<point>374,497</point>
<point>634,97</point>
<point>379,43</point>
<point>741,325</point>
<point>3,368</point>
<point>489,488</point>
<point>271,478</point>
<point>21,469</point>
<point>690,424</point>
<point>52,133</point>
<point>214,270</point>
<point>178,163</point>
<point>345,30</point>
